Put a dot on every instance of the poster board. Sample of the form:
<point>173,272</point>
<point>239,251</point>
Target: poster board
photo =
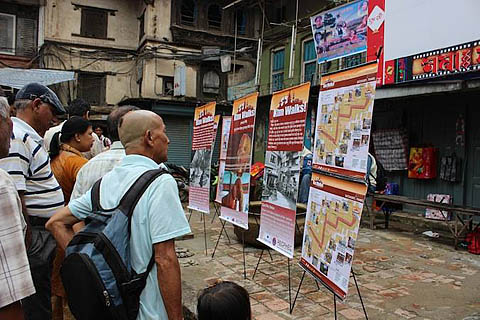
<point>226,122</point>
<point>236,177</point>
<point>341,31</point>
<point>288,112</point>
<point>334,211</point>
<point>203,135</point>
<point>344,119</point>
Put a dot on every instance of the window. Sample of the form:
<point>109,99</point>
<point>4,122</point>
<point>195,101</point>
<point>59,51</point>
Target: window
<point>141,32</point>
<point>278,65</point>
<point>167,86</point>
<point>214,16</point>
<point>188,12</point>
<point>211,82</point>
<point>241,19</point>
<point>94,23</point>
<point>7,33</point>
<point>91,87</point>
<point>309,62</point>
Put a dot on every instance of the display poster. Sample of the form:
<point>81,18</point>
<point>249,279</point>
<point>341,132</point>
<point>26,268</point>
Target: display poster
<point>223,156</point>
<point>333,217</point>
<point>236,177</point>
<point>341,31</point>
<point>288,112</point>
<point>344,120</point>
<point>203,136</point>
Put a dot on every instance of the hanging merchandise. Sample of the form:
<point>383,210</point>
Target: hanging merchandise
<point>422,163</point>
<point>449,168</point>
<point>460,131</point>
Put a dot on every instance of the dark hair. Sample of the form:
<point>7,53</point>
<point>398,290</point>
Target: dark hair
<point>114,118</point>
<point>78,107</point>
<point>222,301</point>
<point>70,128</point>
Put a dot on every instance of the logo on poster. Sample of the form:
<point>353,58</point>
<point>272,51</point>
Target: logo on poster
<point>376,19</point>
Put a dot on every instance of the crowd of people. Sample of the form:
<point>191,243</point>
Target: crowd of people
<point>47,170</point>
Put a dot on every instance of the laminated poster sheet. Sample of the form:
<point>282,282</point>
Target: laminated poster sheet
<point>236,176</point>
<point>344,120</point>
<point>333,217</point>
<point>341,31</point>
<point>226,122</point>
<point>288,112</point>
<point>203,136</point>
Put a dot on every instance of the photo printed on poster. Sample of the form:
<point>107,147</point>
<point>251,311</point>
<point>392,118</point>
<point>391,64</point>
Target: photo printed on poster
<point>226,122</point>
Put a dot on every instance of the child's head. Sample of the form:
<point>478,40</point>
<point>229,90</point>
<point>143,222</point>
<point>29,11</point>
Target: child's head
<point>222,301</point>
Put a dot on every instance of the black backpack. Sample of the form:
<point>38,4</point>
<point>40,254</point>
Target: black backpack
<point>96,273</point>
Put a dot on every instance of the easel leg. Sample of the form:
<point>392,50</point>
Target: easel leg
<point>298,290</point>
<point>335,305</point>
<point>244,263</point>
<point>205,233</point>
<point>219,236</point>
<point>289,285</point>
<point>258,262</point>
<point>190,216</point>
<point>215,213</point>
<point>359,295</point>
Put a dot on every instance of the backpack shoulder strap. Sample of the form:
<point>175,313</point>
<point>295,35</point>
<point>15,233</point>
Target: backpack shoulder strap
<point>132,196</point>
<point>95,196</point>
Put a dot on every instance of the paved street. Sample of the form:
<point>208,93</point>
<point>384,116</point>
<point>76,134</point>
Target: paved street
<point>401,276</point>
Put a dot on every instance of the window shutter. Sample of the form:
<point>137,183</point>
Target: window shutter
<point>26,37</point>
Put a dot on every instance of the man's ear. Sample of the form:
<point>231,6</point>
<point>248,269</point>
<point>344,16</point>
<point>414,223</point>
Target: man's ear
<point>148,138</point>
<point>36,104</point>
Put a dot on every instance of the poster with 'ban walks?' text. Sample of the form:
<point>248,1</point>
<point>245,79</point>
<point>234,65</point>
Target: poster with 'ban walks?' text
<point>203,136</point>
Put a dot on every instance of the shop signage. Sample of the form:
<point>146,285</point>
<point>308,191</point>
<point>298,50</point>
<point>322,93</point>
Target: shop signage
<point>437,63</point>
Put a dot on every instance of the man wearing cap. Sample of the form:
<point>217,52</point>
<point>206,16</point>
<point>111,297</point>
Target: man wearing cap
<point>29,166</point>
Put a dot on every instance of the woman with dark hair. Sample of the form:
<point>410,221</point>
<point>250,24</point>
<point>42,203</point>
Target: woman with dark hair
<point>224,300</point>
<point>66,157</point>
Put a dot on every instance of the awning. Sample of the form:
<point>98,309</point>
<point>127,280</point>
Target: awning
<point>17,78</point>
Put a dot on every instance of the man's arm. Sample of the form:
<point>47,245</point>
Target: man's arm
<point>60,225</point>
<point>169,278</point>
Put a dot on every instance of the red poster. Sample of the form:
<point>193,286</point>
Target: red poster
<point>236,177</point>
<point>288,112</point>
<point>375,35</point>
<point>203,136</point>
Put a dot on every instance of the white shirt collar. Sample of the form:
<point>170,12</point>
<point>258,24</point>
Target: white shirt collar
<point>22,125</point>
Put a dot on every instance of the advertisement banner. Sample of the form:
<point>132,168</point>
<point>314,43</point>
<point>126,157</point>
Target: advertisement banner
<point>223,156</point>
<point>288,112</point>
<point>344,120</point>
<point>334,211</point>
<point>203,136</point>
<point>433,64</point>
<point>341,31</point>
<point>236,177</point>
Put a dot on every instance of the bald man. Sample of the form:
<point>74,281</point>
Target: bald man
<point>157,219</point>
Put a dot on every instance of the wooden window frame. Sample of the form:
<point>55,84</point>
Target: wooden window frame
<point>272,73</point>
<point>14,38</point>
<point>304,63</point>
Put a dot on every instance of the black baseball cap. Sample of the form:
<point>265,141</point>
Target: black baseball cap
<point>33,91</point>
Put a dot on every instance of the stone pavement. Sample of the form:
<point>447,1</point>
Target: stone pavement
<point>401,276</point>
